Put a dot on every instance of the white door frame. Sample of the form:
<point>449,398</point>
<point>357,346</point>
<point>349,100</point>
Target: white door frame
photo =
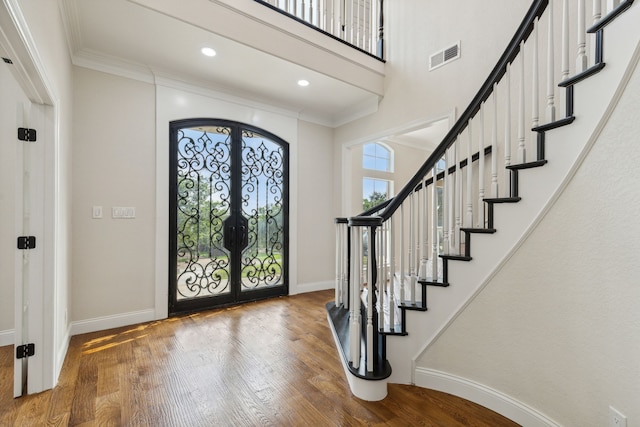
<point>16,41</point>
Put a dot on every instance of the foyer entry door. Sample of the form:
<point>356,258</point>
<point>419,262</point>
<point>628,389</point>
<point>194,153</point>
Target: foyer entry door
<point>228,214</point>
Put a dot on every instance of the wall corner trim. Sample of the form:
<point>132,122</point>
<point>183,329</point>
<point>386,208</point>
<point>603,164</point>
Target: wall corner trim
<point>482,395</point>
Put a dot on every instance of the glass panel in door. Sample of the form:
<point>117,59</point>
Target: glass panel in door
<point>228,214</point>
<point>263,196</point>
<point>203,204</point>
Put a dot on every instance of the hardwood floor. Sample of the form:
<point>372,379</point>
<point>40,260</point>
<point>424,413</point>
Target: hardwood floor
<point>271,363</point>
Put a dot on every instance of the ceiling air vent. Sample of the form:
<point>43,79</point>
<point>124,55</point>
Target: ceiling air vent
<point>444,56</point>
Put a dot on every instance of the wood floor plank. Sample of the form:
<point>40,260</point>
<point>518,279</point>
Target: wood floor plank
<point>271,363</point>
<point>83,407</point>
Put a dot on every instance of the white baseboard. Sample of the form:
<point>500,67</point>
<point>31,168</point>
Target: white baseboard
<point>109,322</point>
<point>482,395</point>
<point>311,287</point>
<point>6,337</point>
<point>61,355</point>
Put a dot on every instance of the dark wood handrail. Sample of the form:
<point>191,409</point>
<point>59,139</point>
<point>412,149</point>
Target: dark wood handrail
<point>450,170</point>
<point>376,208</point>
<point>524,30</point>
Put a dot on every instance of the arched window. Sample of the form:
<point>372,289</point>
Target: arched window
<point>376,156</point>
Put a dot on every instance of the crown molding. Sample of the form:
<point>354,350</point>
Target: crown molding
<point>98,61</point>
<point>71,24</point>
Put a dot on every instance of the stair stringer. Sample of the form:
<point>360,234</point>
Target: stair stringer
<point>566,148</point>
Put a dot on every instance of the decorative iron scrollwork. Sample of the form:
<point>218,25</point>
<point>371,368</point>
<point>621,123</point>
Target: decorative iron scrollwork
<point>262,205</point>
<point>203,201</point>
<point>229,214</point>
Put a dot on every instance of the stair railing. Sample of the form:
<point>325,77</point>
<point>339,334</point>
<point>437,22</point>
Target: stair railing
<point>407,241</point>
<point>359,23</point>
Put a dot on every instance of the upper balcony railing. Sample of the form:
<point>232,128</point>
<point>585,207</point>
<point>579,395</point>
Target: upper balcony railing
<point>358,23</point>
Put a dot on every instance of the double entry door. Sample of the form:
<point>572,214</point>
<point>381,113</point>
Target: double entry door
<point>228,214</point>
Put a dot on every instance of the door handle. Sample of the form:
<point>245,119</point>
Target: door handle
<point>228,238</point>
<point>235,237</point>
<point>244,237</point>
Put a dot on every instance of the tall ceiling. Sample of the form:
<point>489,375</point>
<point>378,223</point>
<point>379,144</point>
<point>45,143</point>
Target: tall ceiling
<point>123,35</point>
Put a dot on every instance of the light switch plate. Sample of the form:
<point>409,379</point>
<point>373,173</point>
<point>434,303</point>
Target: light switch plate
<point>96,212</point>
<point>121,212</point>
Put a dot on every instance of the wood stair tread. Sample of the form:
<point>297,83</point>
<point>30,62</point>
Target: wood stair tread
<point>608,18</point>
<point>594,69</point>
<point>431,282</point>
<point>456,257</point>
<point>503,200</point>
<point>554,125</point>
<point>396,331</point>
<point>528,165</point>
<point>418,306</point>
<point>479,230</point>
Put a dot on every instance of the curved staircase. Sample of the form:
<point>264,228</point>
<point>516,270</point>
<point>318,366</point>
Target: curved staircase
<point>404,272</point>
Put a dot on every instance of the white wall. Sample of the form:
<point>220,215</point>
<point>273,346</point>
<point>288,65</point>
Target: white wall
<point>175,101</point>
<point>557,327</point>
<point>316,232</point>
<point>414,29</point>
<point>111,170</point>
<point>121,159</point>
<point>113,165</point>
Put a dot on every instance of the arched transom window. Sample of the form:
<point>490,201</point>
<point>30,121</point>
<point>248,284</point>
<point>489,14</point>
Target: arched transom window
<point>376,156</point>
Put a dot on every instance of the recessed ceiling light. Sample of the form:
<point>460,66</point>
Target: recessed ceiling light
<point>303,83</point>
<point>207,51</point>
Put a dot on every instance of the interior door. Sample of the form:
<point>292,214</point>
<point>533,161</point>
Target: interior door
<point>24,228</point>
<point>28,259</point>
<point>228,214</point>
<point>10,213</point>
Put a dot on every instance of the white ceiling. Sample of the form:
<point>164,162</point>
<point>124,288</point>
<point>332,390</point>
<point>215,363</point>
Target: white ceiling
<point>112,34</point>
<point>426,138</point>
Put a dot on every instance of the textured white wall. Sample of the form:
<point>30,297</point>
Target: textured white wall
<point>557,327</point>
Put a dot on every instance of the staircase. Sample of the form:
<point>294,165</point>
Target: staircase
<point>450,229</point>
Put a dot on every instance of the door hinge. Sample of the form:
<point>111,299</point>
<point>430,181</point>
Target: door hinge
<point>26,134</point>
<point>26,242</point>
<point>25,350</point>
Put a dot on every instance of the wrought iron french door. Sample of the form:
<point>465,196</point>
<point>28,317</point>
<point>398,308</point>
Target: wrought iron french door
<point>228,214</point>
